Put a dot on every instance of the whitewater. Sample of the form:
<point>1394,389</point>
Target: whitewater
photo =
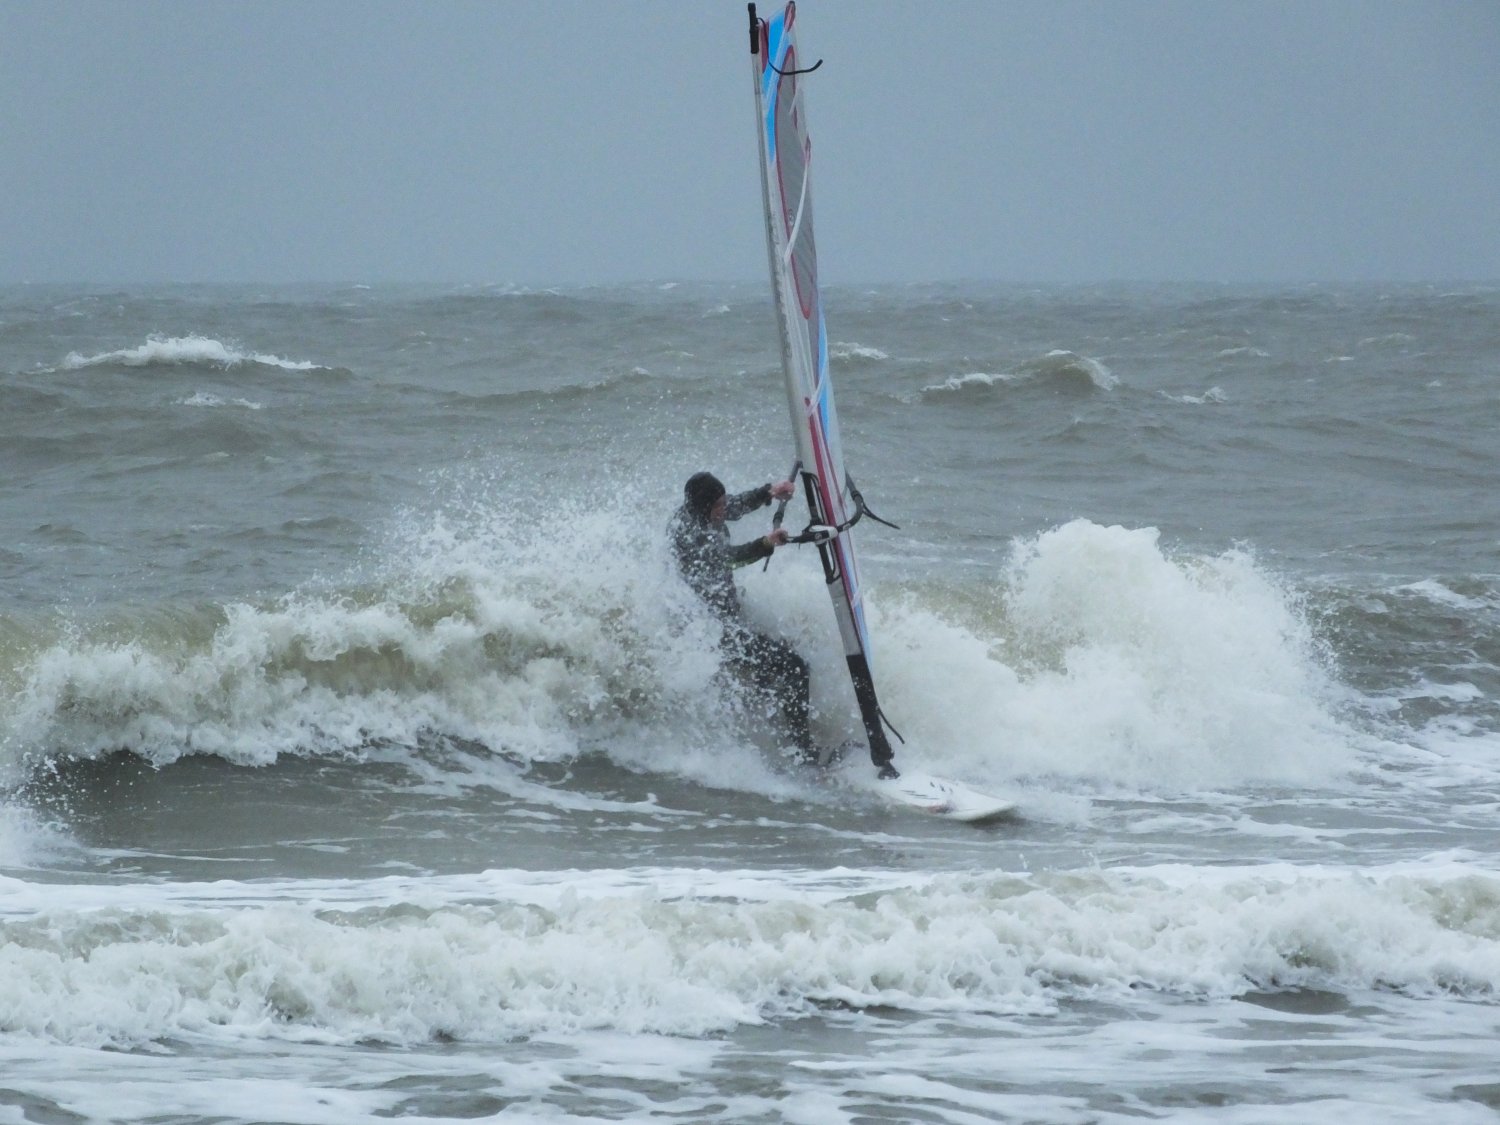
<point>361,756</point>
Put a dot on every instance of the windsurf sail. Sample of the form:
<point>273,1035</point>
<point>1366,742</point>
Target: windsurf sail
<point>833,502</point>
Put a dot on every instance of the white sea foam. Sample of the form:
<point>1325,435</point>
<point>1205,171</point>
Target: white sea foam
<point>1068,367</point>
<point>1212,395</point>
<point>1437,592</point>
<point>972,379</point>
<point>701,957</point>
<point>177,351</point>
<point>855,351</point>
<point>502,631</point>
<point>26,839</point>
<point>203,399</point>
<point>1118,664</point>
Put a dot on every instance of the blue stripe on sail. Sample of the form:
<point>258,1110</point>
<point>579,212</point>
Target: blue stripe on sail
<point>770,86</point>
<point>775,32</point>
<point>769,125</point>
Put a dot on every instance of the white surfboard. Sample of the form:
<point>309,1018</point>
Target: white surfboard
<point>927,793</point>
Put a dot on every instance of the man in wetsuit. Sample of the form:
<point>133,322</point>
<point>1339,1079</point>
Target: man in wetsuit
<point>706,559</point>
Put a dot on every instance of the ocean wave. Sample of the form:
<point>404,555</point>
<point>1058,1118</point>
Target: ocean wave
<point>1064,368</point>
<point>974,379</point>
<point>508,955</point>
<point>589,385</point>
<point>204,399</point>
<point>481,635</point>
<point>1441,594</point>
<point>1390,340</point>
<point>184,351</point>
<point>313,675</point>
<point>1212,396</point>
<point>1099,657</point>
<point>856,353</point>
<point>1423,655</point>
<point>1094,657</point>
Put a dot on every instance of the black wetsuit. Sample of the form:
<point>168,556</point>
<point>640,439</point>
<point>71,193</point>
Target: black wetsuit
<point>707,560</point>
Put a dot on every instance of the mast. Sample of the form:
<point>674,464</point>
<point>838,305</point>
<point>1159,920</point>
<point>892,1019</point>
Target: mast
<point>834,504</point>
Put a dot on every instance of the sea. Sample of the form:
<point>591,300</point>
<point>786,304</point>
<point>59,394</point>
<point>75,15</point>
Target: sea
<point>363,757</point>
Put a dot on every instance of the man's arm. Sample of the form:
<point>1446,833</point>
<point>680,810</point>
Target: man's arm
<point>742,554</point>
<point>746,502</point>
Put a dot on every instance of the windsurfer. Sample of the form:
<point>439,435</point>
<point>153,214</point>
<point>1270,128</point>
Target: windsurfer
<point>706,559</point>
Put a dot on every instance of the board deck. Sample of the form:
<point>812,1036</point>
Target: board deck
<point>936,796</point>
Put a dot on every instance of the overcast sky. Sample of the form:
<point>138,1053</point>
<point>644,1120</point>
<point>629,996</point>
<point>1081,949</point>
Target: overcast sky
<point>578,142</point>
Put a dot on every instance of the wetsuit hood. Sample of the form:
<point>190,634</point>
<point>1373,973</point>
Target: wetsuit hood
<point>702,491</point>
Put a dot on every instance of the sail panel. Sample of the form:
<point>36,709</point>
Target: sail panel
<point>786,167</point>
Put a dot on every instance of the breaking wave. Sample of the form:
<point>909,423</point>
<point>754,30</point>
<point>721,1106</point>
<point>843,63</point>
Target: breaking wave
<point>1065,368</point>
<point>509,954</point>
<point>184,351</point>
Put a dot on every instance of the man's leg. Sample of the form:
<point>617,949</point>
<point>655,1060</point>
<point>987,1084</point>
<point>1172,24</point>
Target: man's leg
<point>778,671</point>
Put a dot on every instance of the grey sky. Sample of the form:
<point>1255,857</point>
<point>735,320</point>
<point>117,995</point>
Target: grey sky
<point>596,142</point>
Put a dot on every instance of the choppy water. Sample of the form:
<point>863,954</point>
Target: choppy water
<point>361,757</point>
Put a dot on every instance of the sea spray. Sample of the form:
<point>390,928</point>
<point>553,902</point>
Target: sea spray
<point>1108,661</point>
<point>531,637</point>
<point>1172,671</point>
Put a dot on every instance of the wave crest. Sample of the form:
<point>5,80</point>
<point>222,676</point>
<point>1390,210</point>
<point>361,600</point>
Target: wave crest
<point>184,351</point>
<point>475,634</point>
<point>1063,368</point>
<point>502,956</point>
